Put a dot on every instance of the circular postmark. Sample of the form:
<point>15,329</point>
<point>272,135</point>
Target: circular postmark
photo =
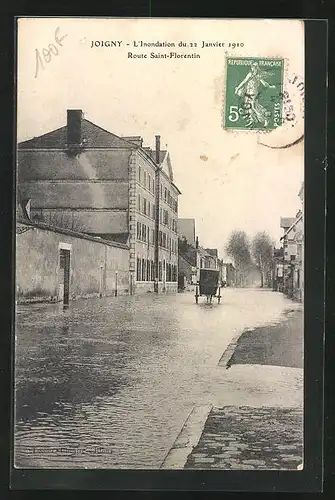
<point>290,129</point>
<point>262,96</point>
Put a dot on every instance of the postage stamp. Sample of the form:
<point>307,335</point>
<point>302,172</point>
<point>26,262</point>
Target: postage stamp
<point>253,97</point>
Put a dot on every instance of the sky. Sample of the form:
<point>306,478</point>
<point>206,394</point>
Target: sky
<point>227,179</point>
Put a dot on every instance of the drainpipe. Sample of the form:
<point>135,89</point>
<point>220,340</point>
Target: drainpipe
<point>116,283</point>
<point>157,185</point>
<point>101,280</point>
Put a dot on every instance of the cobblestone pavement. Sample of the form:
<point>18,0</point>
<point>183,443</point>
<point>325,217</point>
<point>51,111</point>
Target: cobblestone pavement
<point>250,438</point>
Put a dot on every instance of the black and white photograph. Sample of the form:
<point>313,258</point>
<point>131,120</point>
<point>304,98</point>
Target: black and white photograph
<point>160,236</point>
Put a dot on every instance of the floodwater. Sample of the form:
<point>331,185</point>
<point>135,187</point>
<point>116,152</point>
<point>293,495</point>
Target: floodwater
<point>110,382</point>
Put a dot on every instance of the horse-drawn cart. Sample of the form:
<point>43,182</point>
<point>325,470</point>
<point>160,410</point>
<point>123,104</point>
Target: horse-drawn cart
<point>208,285</point>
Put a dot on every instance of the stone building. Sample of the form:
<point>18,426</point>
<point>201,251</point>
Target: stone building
<point>293,252</point>
<point>55,264</point>
<point>86,179</point>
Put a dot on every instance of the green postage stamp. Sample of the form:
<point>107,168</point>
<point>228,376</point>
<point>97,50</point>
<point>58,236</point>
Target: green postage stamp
<point>254,93</point>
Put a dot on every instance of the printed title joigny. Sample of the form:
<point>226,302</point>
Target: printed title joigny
<point>139,43</point>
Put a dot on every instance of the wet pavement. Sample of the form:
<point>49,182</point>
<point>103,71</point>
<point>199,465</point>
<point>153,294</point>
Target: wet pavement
<point>110,382</point>
<point>276,345</point>
<point>263,432</point>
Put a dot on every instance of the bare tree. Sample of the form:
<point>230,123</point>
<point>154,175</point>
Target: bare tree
<point>238,248</point>
<point>62,220</point>
<point>262,252</point>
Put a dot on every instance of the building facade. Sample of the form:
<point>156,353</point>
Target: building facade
<point>83,178</point>
<point>293,253</point>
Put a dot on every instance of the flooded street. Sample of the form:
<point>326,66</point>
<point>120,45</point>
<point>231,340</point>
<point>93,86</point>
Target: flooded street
<point>110,382</point>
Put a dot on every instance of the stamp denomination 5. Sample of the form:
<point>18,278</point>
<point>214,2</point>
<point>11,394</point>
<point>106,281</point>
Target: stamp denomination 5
<point>253,93</point>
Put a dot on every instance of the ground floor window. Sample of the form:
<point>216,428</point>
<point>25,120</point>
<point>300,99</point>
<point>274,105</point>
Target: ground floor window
<point>138,269</point>
<point>145,269</point>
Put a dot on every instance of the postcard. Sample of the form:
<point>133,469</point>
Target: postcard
<point>160,237</point>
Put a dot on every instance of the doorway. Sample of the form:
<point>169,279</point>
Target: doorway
<point>64,264</point>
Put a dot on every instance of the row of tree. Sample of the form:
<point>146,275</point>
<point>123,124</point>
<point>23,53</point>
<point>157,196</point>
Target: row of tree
<point>250,254</point>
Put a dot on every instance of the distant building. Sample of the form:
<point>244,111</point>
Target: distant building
<point>186,229</point>
<point>84,178</point>
<point>228,273</point>
<point>293,258</point>
<point>208,258</point>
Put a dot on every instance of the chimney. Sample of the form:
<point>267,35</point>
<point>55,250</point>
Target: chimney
<point>74,123</point>
<point>158,147</point>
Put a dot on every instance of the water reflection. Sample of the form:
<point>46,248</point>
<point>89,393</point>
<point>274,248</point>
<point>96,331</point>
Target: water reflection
<point>122,374</point>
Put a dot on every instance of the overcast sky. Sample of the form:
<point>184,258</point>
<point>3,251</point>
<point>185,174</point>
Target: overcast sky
<point>228,181</point>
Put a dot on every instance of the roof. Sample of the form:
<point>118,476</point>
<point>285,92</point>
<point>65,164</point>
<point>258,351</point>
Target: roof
<point>186,260</point>
<point>292,226</point>
<point>205,253</point>
<point>117,237</point>
<point>70,232</point>
<point>286,222</point>
<point>93,136</point>
<point>212,251</point>
<point>152,153</point>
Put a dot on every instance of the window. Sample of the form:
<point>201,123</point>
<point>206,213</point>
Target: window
<point>166,217</point>
<point>148,270</point>
<point>138,269</point>
<point>164,240</point>
<point>153,185</point>
<point>144,206</point>
<point>145,178</point>
<point>152,270</point>
<point>149,209</point>
<point>154,211</point>
<point>161,195</point>
<point>138,231</point>
<point>143,270</point>
<point>160,238</point>
<point>139,202</point>
<point>160,271</point>
<point>139,174</point>
<point>165,194</point>
<point>149,181</point>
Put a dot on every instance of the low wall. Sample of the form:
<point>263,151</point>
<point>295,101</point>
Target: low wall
<point>96,267</point>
